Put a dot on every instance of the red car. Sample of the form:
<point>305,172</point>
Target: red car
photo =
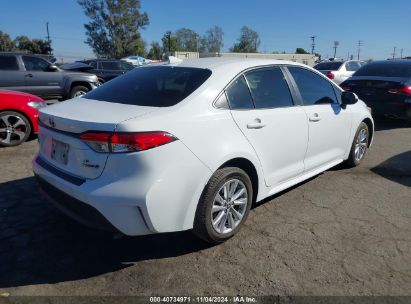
<point>18,117</point>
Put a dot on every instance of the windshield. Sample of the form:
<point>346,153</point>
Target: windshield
<point>329,66</point>
<point>385,69</point>
<point>156,86</point>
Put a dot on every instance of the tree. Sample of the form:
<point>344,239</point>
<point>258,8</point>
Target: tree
<point>113,29</point>
<point>186,40</point>
<point>35,46</point>
<point>170,43</point>
<point>6,44</point>
<point>301,51</point>
<point>212,42</point>
<point>248,42</point>
<point>155,51</point>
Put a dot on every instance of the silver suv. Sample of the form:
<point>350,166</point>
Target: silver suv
<point>35,75</point>
<point>339,71</point>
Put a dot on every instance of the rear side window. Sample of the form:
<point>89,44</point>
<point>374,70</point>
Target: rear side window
<point>269,88</point>
<point>385,69</point>
<point>328,66</point>
<point>110,65</point>
<point>352,66</point>
<point>314,89</point>
<point>8,63</point>
<point>156,86</point>
<point>239,95</point>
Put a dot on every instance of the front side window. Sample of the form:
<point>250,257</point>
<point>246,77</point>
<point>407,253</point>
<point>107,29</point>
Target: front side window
<point>35,64</point>
<point>93,64</point>
<point>8,63</point>
<point>239,95</point>
<point>156,86</point>
<point>314,89</point>
<point>269,88</point>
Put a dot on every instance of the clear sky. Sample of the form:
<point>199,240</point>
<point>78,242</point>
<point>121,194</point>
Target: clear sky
<point>283,25</point>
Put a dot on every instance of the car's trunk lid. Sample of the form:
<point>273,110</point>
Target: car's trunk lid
<point>61,126</point>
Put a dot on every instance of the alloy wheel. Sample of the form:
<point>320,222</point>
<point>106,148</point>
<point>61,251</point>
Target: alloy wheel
<point>229,206</point>
<point>13,129</point>
<point>361,144</point>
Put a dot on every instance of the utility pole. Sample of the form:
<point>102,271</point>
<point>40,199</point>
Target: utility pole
<point>402,50</point>
<point>394,53</point>
<point>336,44</point>
<point>360,44</point>
<point>48,33</point>
<point>169,41</point>
<point>313,44</point>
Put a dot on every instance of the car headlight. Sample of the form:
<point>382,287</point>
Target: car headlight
<point>37,104</point>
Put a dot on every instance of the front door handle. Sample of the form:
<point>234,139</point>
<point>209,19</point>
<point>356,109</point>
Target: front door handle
<point>256,124</point>
<point>315,117</point>
<point>29,75</point>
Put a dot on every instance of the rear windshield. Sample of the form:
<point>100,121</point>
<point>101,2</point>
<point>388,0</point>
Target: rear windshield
<point>385,70</point>
<point>329,66</point>
<point>156,86</point>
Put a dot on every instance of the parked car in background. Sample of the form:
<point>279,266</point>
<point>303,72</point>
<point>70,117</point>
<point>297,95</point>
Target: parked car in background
<point>385,86</point>
<point>338,71</point>
<point>104,69</point>
<point>192,145</point>
<point>35,75</point>
<point>18,117</point>
<point>136,60</point>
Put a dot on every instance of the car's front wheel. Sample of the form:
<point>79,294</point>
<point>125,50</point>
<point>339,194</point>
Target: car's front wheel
<point>14,128</point>
<point>359,146</point>
<point>78,91</point>
<point>224,205</point>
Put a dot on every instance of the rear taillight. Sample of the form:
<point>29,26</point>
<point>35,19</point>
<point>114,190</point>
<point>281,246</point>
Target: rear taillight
<point>405,90</point>
<point>125,142</point>
<point>330,75</point>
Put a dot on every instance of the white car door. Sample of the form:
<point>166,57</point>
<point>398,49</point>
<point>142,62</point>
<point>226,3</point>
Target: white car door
<point>262,106</point>
<point>329,124</point>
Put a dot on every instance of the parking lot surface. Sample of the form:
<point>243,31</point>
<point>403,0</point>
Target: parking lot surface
<point>344,232</point>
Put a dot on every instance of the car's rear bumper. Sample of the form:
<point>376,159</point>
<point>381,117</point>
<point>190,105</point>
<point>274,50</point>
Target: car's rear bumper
<point>392,109</point>
<point>74,208</point>
<point>139,193</point>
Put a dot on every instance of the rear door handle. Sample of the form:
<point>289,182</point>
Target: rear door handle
<point>315,117</point>
<point>256,124</point>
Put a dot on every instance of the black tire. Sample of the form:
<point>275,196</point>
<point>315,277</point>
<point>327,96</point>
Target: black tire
<point>75,91</point>
<point>352,160</point>
<point>203,227</point>
<point>15,128</point>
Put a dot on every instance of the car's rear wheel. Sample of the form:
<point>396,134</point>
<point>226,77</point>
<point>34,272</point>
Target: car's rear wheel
<point>224,205</point>
<point>14,128</point>
<point>359,146</point>
<point>78,91</point>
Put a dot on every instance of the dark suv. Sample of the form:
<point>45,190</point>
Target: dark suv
<point>104,69</point>
<point>35,75</point>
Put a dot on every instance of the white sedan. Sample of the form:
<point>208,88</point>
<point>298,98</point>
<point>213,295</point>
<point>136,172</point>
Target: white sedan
<point>192,145</point>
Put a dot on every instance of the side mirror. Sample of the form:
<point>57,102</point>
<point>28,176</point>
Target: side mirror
<point>348,98</point>
<point>52,68</point>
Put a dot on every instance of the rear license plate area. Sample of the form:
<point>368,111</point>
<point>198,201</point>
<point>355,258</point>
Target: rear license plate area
<point>59,151</point>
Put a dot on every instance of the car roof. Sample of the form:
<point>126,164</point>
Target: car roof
<point>230,64</point>
<point>395,61</point>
